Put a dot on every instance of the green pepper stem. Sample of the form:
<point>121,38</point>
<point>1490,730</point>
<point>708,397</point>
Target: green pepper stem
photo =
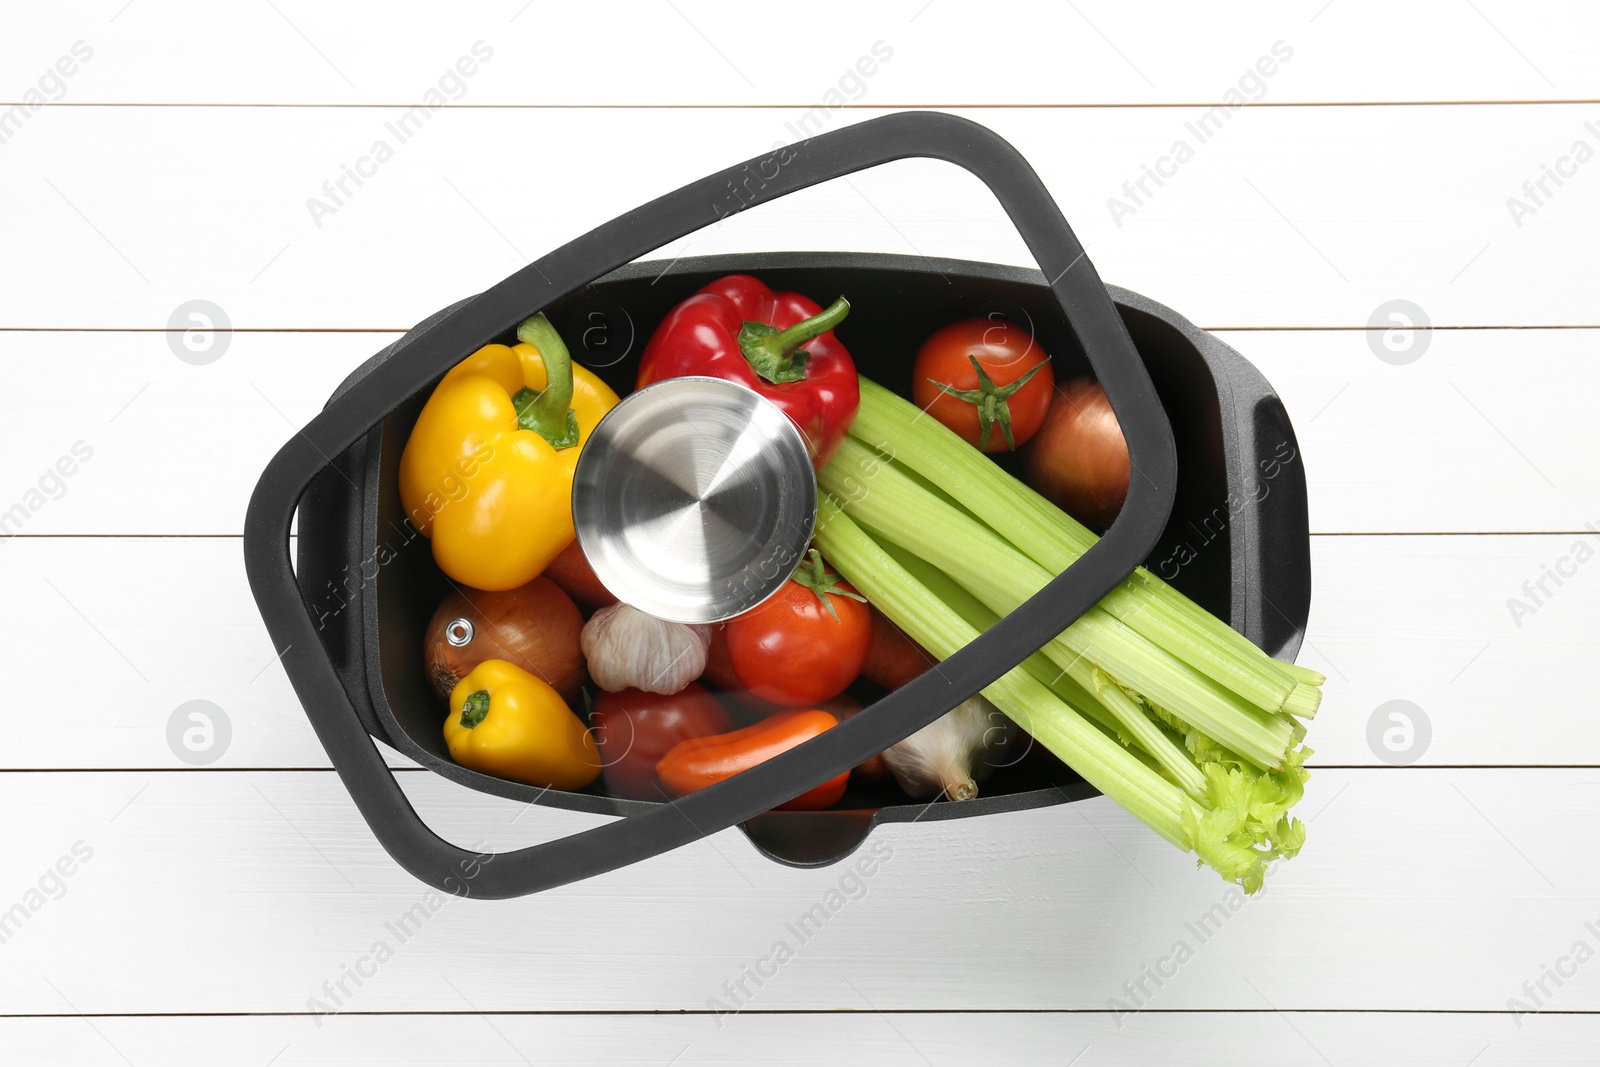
<point>785,341</point>
<point>776,354</point>
<point>475,709</point>
<point>548,412</point>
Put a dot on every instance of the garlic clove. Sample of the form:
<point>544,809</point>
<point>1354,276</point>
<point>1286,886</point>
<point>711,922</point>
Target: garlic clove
<point>953,753</point>
<point>630,649</point>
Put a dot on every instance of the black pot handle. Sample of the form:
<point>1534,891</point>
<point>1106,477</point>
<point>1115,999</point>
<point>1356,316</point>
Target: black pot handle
<point>1090,314</point>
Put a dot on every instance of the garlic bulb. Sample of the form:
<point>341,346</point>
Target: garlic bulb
<point>629,649</point>
<point>953,753</point>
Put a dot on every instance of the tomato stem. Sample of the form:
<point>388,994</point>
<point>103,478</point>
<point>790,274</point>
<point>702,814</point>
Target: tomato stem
<point>990,400</point>
<point>813,574</point>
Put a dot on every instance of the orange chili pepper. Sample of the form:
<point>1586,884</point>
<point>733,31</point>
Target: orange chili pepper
<point>701,761</point>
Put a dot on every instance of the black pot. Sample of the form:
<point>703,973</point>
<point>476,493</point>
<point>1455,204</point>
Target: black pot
<point>1236,541</point>
<point>1223,516</point>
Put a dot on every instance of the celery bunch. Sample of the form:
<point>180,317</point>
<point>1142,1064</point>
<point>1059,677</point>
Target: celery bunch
<point>1158,704</point>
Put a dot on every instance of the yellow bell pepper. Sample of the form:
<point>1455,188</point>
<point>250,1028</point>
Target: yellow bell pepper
<point>487,471</point>
<point>508,722</point>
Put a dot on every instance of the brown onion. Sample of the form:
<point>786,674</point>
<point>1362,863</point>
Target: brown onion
<point>534,626</point>
<point>1079,460</point>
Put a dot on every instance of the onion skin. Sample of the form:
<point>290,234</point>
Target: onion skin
<point>534,626</point>
<point>1079,459</point>
<point>571,571</point>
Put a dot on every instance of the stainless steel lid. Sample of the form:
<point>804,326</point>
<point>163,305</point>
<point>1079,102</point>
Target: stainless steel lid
<point>694,499</point>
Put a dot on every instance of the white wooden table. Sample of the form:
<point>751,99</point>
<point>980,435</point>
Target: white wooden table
<point>210,910</point>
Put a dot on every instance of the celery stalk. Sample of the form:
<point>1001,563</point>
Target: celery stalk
<point>879,494</point>
<point>1304,701</point>
<point>1103,764</point>
<point>1237,829</point>
<point>1085,677</point>
<point>1305,674</point>
<point>1055,540</point>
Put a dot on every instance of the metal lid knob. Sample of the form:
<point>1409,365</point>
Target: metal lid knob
<point>694,499</point>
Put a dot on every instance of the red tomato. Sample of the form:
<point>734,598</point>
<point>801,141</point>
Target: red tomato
<point>806,643</point>
<point>634,729</point>
<point>571,571</point>
<point>979,374</point>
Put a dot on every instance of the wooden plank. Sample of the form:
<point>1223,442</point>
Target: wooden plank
<point>1281,217</point>
<point>714,53</point>
<point>172,448</point>
<point>159,623</point>
<point>177,448</point>
<point>1297,1039</point>
<point>1417,890</point>
<point>1422,619</point>
<point>1476,434</point>
<point>1426,620</point>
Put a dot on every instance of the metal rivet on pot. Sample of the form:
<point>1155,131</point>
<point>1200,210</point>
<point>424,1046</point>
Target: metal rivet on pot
<point>458,632</point>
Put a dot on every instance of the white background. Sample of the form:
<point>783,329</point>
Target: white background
<point>176,164</point>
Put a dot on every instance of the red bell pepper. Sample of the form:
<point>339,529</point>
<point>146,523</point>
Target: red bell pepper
<point>738,329</point>
<point>699,762</point>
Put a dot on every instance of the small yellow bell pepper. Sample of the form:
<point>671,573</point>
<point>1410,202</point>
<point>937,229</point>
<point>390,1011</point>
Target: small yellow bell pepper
<point>508,722</point>
<point>487,471</point>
